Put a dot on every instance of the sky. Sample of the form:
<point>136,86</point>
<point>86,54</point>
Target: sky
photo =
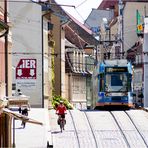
<point>82,7</point>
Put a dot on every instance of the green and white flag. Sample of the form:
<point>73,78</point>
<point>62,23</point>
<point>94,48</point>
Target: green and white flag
<point>139,22</point>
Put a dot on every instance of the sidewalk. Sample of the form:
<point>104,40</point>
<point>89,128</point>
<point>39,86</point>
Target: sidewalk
<point>33,136</point>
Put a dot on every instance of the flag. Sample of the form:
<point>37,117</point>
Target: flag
<point>139,22</point>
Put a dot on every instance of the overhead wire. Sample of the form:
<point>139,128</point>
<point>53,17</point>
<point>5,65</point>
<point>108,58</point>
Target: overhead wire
<point>30,20</point>
<point>46,3</point>
<point>75,9</point>
<point>80,4</point>
<point>21,18</point>
<point>66,5</point>
<point>80,15</point>
<point>16,53</point>
<point>56,55</point>
<point>17,1</point>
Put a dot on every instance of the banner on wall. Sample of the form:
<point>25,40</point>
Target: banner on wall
<point>26,69</point>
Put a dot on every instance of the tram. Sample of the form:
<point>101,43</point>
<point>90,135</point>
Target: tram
<point>112,84</point>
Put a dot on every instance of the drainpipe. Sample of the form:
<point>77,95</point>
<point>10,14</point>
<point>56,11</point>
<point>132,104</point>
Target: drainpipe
<point>42,28</point>
<point>6,49</point>
<point>6,138</point>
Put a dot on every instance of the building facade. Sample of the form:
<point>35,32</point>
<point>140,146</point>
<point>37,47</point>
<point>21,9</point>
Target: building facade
<point>30,58</point>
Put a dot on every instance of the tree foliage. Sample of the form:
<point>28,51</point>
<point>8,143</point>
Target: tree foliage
<point>56,101</point>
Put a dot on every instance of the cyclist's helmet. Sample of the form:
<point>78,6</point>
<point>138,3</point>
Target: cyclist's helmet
<point>61,102</point>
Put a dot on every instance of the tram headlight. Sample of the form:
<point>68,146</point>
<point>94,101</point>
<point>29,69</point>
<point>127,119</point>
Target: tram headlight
<point>125,94</point>
<point>124,98</point>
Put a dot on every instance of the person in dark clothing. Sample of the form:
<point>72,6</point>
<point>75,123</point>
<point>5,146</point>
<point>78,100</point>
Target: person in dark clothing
<point>19,93</point>
<point>25,113</point>
<point>20,110</point>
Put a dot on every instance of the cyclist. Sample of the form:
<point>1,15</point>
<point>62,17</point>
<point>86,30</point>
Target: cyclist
<point>61,111</point>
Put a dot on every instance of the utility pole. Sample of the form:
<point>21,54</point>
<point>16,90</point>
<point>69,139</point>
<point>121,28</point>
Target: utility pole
<point>121,27</point>
<point>145,50</point>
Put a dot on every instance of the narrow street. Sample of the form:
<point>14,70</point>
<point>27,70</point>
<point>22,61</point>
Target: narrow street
<point>93,129</point>
<point>85,54</point>
<point>89,129</point>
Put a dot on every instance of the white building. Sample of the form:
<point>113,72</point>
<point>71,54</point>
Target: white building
<point>29,44</point>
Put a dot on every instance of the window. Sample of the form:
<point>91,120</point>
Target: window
<point>101,82</point>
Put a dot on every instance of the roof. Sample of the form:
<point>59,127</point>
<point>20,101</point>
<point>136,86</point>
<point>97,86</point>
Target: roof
<point>69,44</point>
<point>110,3</point>
<point>95,17</point>
<point>121,62</point>
<point>59,9</point>
<point>73,37</point>
<point>75,32</point>
<point>79,23</point>
<point>107,4</point>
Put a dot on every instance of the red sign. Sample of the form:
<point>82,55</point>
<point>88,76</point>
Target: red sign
<point>26,69</point>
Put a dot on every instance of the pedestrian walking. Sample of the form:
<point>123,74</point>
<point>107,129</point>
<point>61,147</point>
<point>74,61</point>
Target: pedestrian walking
<point>25,113</point>
<point>19,93</point>
<point>20,110</point>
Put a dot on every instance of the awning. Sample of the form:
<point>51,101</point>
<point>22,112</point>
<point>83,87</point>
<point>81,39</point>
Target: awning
<point>20,116</point>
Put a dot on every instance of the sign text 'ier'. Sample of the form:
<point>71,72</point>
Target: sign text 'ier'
<point>26,69</point>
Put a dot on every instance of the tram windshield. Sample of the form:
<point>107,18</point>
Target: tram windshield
<point>116,82</point>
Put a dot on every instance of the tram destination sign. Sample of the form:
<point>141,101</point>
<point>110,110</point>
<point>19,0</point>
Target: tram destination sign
<point>116,69</point>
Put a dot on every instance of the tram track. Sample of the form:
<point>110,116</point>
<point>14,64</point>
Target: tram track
<point>84,131</point>
<point>137,129</point>
<point>76,132</point>
<point>98,129</point>
<point>96,144</point>
<point>132,134</point>
<point>121,131</point>
<point>124,131</point>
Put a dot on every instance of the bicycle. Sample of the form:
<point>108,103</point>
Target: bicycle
<point>61,122</point>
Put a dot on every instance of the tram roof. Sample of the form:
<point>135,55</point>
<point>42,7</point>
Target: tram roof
<point>118,62</point>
